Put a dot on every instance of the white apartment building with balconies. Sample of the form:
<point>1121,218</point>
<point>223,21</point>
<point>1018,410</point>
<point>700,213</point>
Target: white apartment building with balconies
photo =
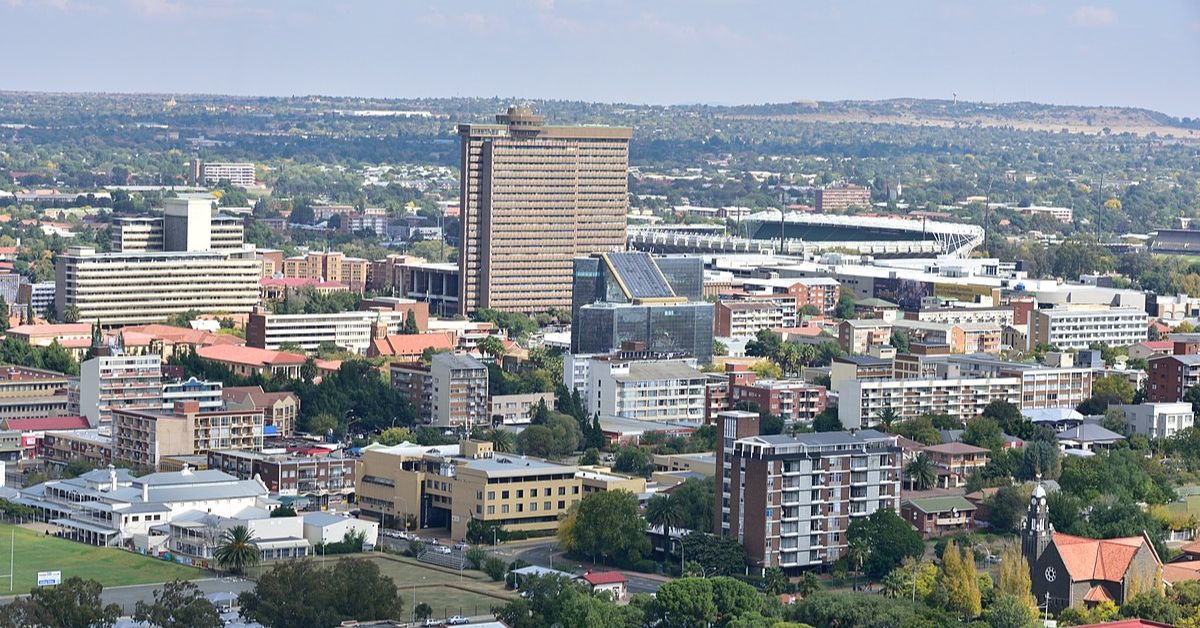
<point>860,402</point>
<point>669,391</point>
<point>1067,328</point>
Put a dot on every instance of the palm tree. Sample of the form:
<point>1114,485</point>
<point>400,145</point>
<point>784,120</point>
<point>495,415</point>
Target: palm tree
<point>502,441</point>
<point>896,583</point>
<point>807,584</point>
<point>491,345</point>
<point>856,555</point>
<point>663,511</point>
<point>887,417</point>
<point>238,550</point>
<point>920,472</point>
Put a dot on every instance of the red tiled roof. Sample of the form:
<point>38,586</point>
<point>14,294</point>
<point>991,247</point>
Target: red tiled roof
<point>249,356</point>
<point>604,577</point>
<point>1158,345</point>
<point>47,423</point>
<point>297,282</point>
<point>1182,570</point>
<point>55,329</point>
<point>1097,559</point>
<point>184,335</point>
<point>1097,594</point>
<point>412,344</point>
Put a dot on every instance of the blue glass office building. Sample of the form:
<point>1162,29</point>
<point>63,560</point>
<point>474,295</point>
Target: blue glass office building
<point>633,297</point>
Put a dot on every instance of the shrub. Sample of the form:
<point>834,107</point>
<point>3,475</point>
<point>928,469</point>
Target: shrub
<point>475,557</point>
<point>494,568</point>
<point>645,566</point>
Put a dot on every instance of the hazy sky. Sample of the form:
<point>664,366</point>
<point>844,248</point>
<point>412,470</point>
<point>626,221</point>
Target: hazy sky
<point>1099,52</point>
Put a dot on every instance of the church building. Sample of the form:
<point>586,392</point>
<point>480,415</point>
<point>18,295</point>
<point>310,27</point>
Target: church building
<point>1076,571</point>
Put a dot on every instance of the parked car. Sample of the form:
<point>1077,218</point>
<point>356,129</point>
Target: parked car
<point>457,620</point>
<point>462,547</point>
<point>433,541</point>
<point>442,549</point>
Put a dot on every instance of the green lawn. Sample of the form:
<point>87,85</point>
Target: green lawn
<point>36,552</point>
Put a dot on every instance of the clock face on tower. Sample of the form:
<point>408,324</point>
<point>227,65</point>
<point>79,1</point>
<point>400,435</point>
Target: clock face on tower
<point>1050,574</point>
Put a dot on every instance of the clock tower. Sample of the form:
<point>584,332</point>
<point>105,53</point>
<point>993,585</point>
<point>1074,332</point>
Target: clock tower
<point>1036,529</point>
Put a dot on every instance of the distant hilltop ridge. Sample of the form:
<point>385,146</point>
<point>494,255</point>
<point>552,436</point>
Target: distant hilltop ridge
<point>17,107</point>
<point>1021,115</point>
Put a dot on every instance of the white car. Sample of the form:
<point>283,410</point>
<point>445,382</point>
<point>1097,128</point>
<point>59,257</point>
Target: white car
<point>457,620</point>
<point>462,546</point>
<point>442,549</point>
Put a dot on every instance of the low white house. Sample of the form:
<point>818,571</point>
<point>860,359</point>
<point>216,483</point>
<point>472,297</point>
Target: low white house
<point>1158,420</point>
<point>324,527</point>
<point>612,582</point>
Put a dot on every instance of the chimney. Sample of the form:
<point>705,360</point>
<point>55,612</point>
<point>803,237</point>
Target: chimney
<point>112,478</point>
<point>145,492</point>
<point>187,469</point>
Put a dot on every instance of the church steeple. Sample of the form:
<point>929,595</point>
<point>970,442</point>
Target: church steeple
<point>1036,529</point>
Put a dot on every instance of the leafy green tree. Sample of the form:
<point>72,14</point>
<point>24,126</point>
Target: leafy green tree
<point>358,589</point>
<point>393,436</point>
<point>590,457</point>
<point>1006,509</point>
<point>1003,413</point>
<point>695,499</point>
<point>178,604</point>
<point>1009,612</point>
<point>1152,606</point>
<point>410,324</point>
<point>494,568</point>
<point>632,459</point>
<point>899,341</point>
<point>844,610</point>
<point>238,550</point>
<point>888,540</point>
<point>1039,459</point>
<point>298,594</point>
<point>686,603</point>
<point>1114,387</point>
<point>920,429</point>
<point>845,306</point>
<point>609,525</point>
<point>74,603</point>
<point>283,511</point>
<point>921,472</point>
<point>714,555</point>
<point>422,611</point>
<point>827,421</point>
<point>983,432</point>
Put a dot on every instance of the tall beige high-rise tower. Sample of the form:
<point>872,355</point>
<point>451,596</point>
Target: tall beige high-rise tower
<point>533,198</point>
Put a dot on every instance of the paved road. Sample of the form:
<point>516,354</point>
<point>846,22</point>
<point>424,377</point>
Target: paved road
<point>128,597</point>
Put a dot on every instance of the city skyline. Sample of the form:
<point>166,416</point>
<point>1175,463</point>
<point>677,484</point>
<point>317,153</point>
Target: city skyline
<point>1069,53</point>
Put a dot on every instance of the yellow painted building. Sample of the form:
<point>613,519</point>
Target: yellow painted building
<point>447,486</point>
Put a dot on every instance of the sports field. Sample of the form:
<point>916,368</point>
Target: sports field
<point>36,552</point>
<point>440,589</point>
